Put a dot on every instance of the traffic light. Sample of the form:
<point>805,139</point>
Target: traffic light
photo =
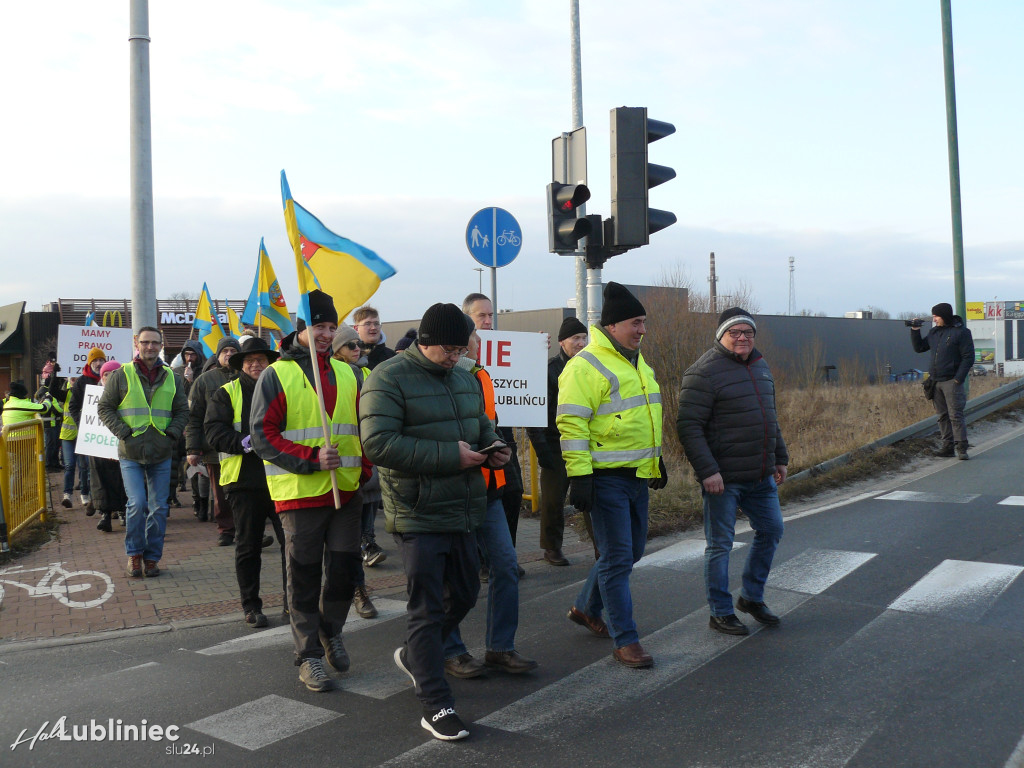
<point>565,226</point>
<point>633,220</point>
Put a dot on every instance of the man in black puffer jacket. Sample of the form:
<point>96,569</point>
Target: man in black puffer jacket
<point>952,348</point>
<point>728,427</point>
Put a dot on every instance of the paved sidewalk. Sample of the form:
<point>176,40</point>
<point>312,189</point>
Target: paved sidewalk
<point>197,579</point>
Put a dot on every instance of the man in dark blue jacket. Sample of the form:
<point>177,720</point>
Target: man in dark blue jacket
<point>952,348</point>
<point>729,430</point>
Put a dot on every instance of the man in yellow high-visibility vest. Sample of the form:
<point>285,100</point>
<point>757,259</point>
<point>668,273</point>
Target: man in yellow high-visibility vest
<point>144,405</point>
<point>287,433</point>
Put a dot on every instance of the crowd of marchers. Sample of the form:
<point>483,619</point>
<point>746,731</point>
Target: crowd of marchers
<point>313,440</point>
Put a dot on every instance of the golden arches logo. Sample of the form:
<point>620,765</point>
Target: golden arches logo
<point>110,315</point>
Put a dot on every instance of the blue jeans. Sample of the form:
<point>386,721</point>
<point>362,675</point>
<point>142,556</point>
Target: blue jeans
<point>619,518</point>
<point>147,522</point>
<point>70,460</point>
<point>502,588</point>
<point>760,502</point>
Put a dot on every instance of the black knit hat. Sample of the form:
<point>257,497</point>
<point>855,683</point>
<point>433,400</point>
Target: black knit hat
<point>945,311</point>
<point>321,310</point>
<point>570,327</point>
<point>619,304</point>
<point>406,341</point>
<point>228,341</point>
<point>19,390</point>
<point>730,317</point>
<point>444,324</point>
<point>251,346</point>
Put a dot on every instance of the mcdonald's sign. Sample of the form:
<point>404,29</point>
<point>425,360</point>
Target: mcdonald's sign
<point>110,316</point>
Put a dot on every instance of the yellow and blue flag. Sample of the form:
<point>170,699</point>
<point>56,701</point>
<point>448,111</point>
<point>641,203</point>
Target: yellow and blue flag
<point>266,306</point>
<point>89,318</point>
<point>234,324</point>
<point>207,324</point>
<point>345,270</point>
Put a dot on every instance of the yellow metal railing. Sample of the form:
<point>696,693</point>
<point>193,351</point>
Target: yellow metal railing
<point>23,485</point>
<point>531,474</point>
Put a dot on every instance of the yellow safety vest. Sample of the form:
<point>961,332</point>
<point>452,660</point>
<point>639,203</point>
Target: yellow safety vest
<point>609,413</point>
<point>68,429</point>
<point>19,409</point>
<point>303,426</point>
<point>137,412</point>
<point>231,463</point>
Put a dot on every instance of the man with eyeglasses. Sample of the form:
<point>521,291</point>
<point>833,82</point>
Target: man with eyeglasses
<point>366,321</point>
<point>423,424</point>
<point>728,427</point>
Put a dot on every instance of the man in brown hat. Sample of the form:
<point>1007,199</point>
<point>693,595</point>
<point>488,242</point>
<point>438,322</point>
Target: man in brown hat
<point>242,474</point>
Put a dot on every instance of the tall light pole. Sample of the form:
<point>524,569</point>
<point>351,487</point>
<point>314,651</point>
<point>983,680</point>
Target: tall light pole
<point>143,262</point>
<point>480,275</point>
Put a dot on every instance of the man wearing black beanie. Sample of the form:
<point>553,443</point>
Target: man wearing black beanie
<point>554,483</point>
<point>423,423</point>
<point>609,420</point>
<point>952,348</point>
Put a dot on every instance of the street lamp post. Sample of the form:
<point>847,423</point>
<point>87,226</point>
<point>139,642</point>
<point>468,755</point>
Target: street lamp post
<point>480,274</point>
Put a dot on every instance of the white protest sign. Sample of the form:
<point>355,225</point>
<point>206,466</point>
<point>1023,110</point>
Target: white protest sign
<point>94,439</point>
<point>518,366</point>
<point>75,341</point>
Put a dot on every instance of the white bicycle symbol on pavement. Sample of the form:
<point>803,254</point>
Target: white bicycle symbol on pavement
<point>59,584</point>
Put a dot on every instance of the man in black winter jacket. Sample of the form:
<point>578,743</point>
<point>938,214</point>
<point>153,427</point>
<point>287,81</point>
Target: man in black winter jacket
<point>242,473</point>
<point>952,348</point>
<point>729,430</point>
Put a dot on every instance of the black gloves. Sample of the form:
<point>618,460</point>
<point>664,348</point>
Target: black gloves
<point>657,483</point>
<point>581,492</point>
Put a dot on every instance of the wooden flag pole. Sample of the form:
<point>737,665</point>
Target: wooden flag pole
<point>323,410</point>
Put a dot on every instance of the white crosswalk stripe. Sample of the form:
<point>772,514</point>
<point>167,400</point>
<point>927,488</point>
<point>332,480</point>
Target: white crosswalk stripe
<point>282,636</point>
<point>930,498</point>
<point>264,721</point>
<point>1013,501</point>
<point>815,570</point>
<point>957,589</point>
<point>685,555</point>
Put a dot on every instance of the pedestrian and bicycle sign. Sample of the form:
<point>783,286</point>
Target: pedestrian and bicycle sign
<point>494,237</point>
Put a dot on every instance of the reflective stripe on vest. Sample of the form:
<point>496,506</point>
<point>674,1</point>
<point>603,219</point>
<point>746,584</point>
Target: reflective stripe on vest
<point>231,463</point>
<point>303,425</point>
<point>622,431</point>
<point>68,430</point>
<point>488,388</point>
<point>139,414</point>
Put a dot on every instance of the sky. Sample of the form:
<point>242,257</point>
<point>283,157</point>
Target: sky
<point>812,129</point>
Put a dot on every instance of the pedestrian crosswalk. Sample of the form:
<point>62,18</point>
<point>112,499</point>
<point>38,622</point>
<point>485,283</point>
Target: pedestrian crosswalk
<point>953,589</point>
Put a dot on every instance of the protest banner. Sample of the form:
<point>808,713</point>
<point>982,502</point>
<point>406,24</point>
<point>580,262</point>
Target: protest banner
<point>518,365</point>
<point>94,439</point>
<point>75,341</point>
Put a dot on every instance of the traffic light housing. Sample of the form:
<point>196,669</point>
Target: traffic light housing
<point>565,226</point>
<point>633,220</point>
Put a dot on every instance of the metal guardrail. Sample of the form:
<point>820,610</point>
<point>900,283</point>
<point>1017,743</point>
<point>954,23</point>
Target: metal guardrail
<point>23,487</point>
<point>978,408</point>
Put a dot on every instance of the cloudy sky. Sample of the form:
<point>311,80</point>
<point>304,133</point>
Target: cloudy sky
<point>805,128</point>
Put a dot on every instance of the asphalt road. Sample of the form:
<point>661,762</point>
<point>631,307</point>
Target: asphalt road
<point>901,645</point>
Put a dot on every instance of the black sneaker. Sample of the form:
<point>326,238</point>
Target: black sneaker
<point>256,619</point>
<point>225,540</point>
<point>104,523</point>
<point>444,724</point>
<point>373,555</point>
<point>945,452</point>
<point>334,650</point>
<point>400,662</point>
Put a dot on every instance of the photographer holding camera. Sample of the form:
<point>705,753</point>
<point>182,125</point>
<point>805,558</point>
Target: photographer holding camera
<point>952,348</point>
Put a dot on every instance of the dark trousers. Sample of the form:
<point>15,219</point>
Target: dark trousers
<point>251,508</point>
<point>949,402</point>
<point>322,548</point>
<point>221,506</point>
<point>442,581</point>
<point>554,484</point>
<point>512,492</point>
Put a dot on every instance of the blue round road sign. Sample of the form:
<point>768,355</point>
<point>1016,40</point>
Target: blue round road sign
<point>494,237</point>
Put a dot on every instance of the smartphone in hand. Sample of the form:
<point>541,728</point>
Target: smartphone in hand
<point>492,448</point>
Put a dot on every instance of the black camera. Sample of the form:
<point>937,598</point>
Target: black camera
<point>910,323</point>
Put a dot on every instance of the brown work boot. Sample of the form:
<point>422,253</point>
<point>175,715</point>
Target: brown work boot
<point>152,569</point>
<point>593,623</point>
<point>135,566</point>
<point>364,606</point>
<point>633,655</point>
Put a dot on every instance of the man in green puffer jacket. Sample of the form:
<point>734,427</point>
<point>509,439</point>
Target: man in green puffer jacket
<point>422,422</point>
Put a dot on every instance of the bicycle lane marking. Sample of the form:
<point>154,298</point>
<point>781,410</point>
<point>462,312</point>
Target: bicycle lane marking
<point>60,587</point>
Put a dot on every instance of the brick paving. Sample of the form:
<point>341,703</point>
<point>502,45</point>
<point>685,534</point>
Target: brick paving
<point>197,579</point>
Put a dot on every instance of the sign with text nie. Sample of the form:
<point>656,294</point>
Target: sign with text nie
<point>75,341</point>
<point>518,366</point>
<point>94,439</point>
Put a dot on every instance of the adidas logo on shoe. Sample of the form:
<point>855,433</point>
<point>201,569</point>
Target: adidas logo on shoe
<point>444,724</point>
